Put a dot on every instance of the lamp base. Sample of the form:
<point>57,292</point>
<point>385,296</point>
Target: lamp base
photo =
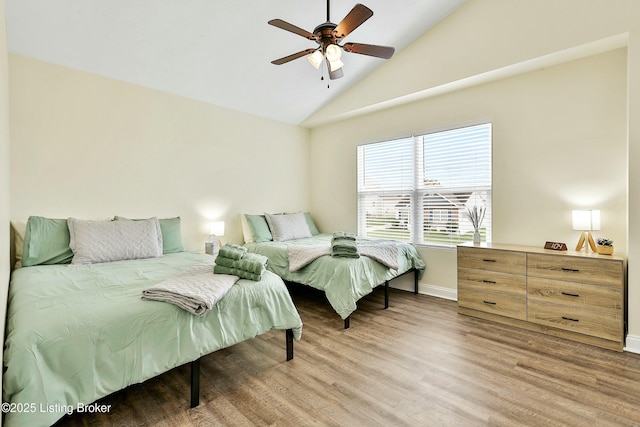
<point>212,245</point>
<point>586,240</point>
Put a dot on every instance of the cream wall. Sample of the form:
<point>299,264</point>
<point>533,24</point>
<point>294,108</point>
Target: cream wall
<point>92,147</point>
<point>633,123</point>
<point>491,40</point>
<point>4,174</point>
<point>559,143</point>
<point>483,38</point>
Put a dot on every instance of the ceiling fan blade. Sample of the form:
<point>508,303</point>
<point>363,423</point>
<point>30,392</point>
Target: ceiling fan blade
<point>353,20</point>
<point>292,28</point>
<point>385,52</point>
<point>293,56</point>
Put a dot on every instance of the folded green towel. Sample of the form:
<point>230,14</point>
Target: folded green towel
<point>341,254</point>
<point>221,269</point>
<point>345,245</point>
<point>233,251</point>
<point>227,262</point>
<point>236,246</point>
<point>343,235</point>
<point>253,263</point>
<point>250,262</point>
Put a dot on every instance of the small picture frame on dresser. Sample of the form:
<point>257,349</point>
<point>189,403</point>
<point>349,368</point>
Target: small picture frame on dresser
<point>555,246</point>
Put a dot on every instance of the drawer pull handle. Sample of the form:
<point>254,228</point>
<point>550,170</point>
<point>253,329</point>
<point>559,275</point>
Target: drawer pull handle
<point>489,260</point>
<point>570,295</point>
<point>491,282</point>
<point>572,270</point>
<point>489,302</point>
<point>570,319</point>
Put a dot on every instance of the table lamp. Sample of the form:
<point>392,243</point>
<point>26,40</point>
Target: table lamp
<point>212,244</point>
<point>586,221</point>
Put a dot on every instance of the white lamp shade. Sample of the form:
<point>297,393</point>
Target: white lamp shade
<point>217,228</point>
<point>315,58</point>
<point>335,65</point>
<point>333,52</point>
<point>586,220</point>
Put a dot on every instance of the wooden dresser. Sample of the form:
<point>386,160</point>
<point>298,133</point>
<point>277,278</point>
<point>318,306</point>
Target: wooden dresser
<point>574,295</point>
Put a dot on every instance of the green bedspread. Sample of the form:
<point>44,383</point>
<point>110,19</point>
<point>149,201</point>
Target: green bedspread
<point>344,280</point>
<point>78,333</point>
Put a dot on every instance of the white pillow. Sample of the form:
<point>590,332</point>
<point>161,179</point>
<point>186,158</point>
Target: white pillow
<point>105,241</point>
<point>288,226</point>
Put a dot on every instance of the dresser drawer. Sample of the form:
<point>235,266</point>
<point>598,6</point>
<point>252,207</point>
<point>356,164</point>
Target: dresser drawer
<point>491,259</point>
<point>500,304</point>
<point>575,269</point>
<point>588,322</point>
<point>491,281</point>
<point>579,295</point>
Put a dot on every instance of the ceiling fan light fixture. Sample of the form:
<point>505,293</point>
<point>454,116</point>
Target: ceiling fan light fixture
<point>316,59</point>
<point>333,52</point>
<point>335,65</point>
<point>328,36</point>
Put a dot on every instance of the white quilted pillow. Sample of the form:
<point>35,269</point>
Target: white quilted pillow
<point>288,226</point>
<point>105,241</point>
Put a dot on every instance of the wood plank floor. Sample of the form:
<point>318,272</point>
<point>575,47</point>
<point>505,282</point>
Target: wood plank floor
<point>417,363</point>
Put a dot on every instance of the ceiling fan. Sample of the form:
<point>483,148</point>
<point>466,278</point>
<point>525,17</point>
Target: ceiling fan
<point>328,36</point>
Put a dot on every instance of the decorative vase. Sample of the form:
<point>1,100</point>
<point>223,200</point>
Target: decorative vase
<point>476,237</point>
<point>604,250</point>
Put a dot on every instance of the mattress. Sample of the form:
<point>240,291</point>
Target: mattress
<point>344,280</point>
<point>78,333</point>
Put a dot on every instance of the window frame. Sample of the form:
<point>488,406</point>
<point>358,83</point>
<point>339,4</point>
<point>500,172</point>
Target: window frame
<point>418,192</point>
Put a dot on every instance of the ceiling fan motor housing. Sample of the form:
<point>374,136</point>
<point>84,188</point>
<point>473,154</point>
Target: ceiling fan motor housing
<point>325,35</point>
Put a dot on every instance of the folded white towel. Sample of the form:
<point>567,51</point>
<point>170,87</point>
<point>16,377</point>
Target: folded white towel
<point>196,290</point>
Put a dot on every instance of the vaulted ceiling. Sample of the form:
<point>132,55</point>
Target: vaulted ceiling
<point>218,52</point>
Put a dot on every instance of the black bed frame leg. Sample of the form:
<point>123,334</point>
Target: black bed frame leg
<point>386,294</point>
<point>195,383</point>
<point>415,282</point>
<point>289,338</point>
<point>347,323</point>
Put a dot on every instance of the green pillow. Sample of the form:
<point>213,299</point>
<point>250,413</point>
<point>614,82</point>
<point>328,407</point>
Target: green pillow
<point>171,234</point>
<point>312,226</point>
<point>258,229</point>
<point>46,241</point>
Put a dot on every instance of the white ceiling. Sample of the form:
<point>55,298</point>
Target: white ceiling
<point>215,51</point>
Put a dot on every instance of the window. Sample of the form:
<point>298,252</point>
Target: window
<point>418,189</point>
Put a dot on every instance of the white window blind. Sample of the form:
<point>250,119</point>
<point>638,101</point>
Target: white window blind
<point>418,189</point>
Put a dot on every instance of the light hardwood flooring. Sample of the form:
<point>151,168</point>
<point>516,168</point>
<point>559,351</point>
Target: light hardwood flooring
<point>417,363</point>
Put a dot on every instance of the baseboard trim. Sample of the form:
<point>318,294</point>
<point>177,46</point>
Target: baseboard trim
<point>438,291</point>
<point>632,344</point>
<point>431,290</point>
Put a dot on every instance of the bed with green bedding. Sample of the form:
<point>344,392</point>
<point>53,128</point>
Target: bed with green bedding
<point>343,280</point>
<point>76,333</point>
